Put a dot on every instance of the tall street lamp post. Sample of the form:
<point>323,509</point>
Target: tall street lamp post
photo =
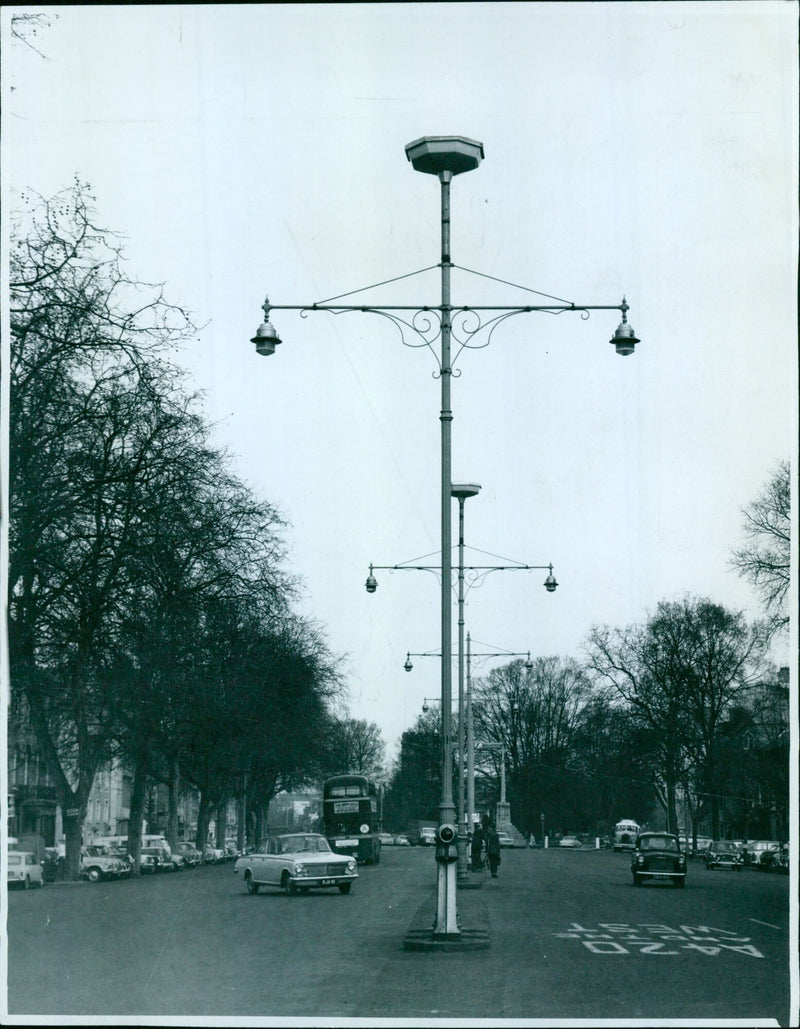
<point>469,804</point>
<point>445,157</point>
<point>461,492</point>
<point>477,573</point>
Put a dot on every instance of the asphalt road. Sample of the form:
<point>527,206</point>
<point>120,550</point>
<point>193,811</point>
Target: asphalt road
<point>570,939</point>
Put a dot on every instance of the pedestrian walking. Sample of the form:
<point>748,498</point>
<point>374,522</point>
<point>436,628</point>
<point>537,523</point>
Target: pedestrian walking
<point>476,848</point>
<point>493,849</point>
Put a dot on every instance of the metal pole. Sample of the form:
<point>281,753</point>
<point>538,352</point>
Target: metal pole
<point>502,774</point>
<point>470,743</point>
<point>446,914</point>
<point>463,873</point>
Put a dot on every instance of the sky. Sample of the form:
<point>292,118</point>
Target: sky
<point>645,150</point>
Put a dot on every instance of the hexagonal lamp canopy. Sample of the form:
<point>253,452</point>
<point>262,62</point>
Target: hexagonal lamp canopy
<point>464,490</point>
<point>437,154</point>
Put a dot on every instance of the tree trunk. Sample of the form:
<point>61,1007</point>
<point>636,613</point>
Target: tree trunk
<point>138,800</point>
<point>172,814</point>
<point>202,822</point>
<point>73,840</point>
<point>241,827</point>
<point>222,822</point>
<point>672,809</point>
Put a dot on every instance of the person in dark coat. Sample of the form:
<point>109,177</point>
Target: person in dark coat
<point>476,848</point>
<point>493,849</point>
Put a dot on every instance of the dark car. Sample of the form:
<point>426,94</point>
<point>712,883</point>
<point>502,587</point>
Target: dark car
<point>723,854</point>
<point>658,855</point>
<point>775,860</point>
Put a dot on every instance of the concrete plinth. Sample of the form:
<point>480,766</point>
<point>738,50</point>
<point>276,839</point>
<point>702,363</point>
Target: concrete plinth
<point>467,939</point>
<point>502,813</point>
<point>473,931</point>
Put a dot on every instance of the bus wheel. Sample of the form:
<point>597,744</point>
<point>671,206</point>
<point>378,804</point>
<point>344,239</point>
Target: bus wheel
<point>344,887</point>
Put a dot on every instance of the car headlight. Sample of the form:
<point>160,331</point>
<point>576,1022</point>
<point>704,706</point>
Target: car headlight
<point>681,860</point>
<point>640,859</point>
<point>300,869</point>
<point>351,867</point>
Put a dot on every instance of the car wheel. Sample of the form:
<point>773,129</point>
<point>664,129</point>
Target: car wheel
<point>27,884</point>
<point>637,879</point>
<point>288,885</point>
<point>344,887</point>
<point>251,886</point>
<point>680,883</point>
<point>94,875</point>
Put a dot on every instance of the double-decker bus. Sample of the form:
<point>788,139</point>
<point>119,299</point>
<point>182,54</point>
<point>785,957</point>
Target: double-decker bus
<point>351,816</point>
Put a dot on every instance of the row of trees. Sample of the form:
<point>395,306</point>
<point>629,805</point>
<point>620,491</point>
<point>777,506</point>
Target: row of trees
<point>683,705</point>
<point>150,613</point>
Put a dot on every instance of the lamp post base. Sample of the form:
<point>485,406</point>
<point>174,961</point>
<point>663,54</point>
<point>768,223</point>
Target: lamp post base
<point>467,939</point>
<point>473,934</point>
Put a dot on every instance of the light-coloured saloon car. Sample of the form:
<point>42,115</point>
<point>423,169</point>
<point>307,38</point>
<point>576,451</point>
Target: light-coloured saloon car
<point>296,863</point>
<point>24,869</point>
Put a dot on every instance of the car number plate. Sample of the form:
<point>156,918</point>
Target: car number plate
<point>327,882</point>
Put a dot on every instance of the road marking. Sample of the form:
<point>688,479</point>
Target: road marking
<point>648,938</point>
<point>769,925</point>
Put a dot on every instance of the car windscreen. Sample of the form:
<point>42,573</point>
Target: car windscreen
<point>303,845</point>
<point>668,843</point>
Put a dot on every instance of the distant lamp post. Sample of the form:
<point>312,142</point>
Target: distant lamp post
<point>462,492</point>
<point>477,574</point>
<point>503,803</point>
<point>445,157</point>
<point>470,812</point>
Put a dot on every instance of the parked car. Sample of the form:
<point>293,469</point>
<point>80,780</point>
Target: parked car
<point>776,859</point>
<point>658,855</point>
<point>386,838</point>
<point>505,839</point>
<point>755,848</point>
<point>213,855</point>
<point>296,863</point>
<point>190,854</point>
<point>401,840</point>
<point>231,850</point>
<point>570,841</point>
<point>148,860</point>
<point>164,859</point>
<point>723,854</point>
<point>99,862</point>
<point>121,854</point>
<point>24,870</point>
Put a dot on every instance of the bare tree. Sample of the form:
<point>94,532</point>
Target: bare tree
<point>765,561</point>
<point>83,378</point>
<point>356,745</point>
<point>679,674</point>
